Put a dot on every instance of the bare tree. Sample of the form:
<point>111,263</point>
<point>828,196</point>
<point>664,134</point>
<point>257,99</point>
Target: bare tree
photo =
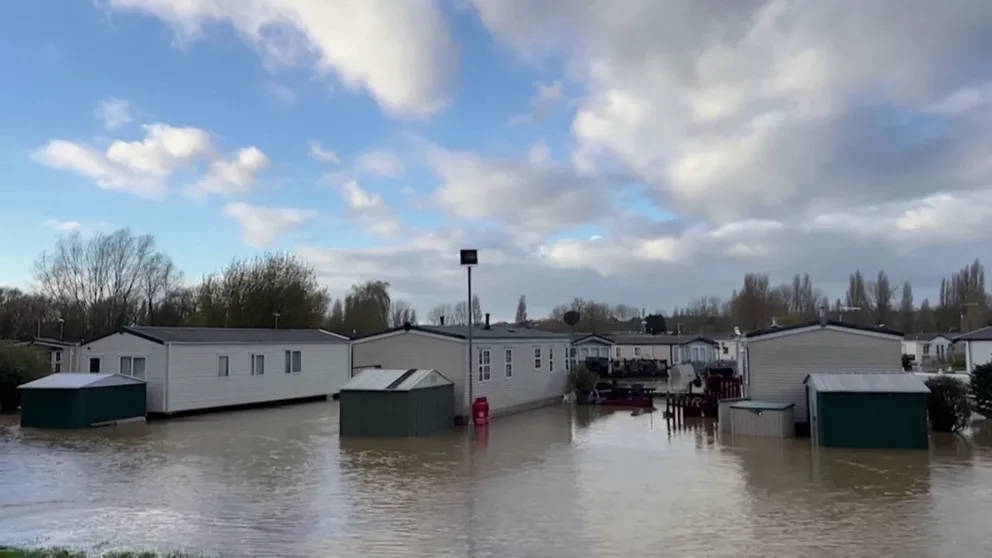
<point>880,295</point>
<point>442,313</point>
<point>521,316</point>
<point>401,313</point>
<point>907,314</point>
<point>460,314</point>
<point>105,280</point>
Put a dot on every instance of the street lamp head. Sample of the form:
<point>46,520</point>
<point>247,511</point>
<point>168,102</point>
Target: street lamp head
<point>469,257</point>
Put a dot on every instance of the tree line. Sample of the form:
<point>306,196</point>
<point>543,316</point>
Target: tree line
<point>963,304</point>
<point>89,286</point>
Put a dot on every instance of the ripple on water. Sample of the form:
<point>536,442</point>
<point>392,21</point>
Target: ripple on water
<point>554,482</point>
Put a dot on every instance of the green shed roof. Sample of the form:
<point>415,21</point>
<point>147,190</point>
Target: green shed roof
<point>867,383</point>
<point>761,405</point>
<point>385,379</point>
<point>78,380</point>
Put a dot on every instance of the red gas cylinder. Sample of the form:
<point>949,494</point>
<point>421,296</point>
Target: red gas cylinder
<point>480,411</point>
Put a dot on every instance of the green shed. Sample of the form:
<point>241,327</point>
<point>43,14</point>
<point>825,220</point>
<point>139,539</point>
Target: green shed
<point>77,400</point>
<point>876,411</point>
<point>396,403</point>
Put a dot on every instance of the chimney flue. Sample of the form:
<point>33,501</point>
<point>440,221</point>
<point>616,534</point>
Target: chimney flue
<point>487,320</point>
<point>823,315</point>
<point>442,320</point>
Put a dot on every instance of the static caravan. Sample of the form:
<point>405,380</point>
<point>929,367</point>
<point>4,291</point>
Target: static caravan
<point>515,368</point>
<point>780,358</point>
<point>200,368</point>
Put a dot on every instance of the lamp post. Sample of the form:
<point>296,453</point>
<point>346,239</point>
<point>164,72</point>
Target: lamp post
<point>61,329</point>
<point>275,319</point>
<point>469,259</point>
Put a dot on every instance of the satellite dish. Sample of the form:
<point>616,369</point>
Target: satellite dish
<point>571,317</point>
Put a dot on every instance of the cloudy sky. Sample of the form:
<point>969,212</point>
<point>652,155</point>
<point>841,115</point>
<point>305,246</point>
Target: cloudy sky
<point>637,151</point>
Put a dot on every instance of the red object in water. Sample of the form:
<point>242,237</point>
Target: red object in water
<point>480,411</point>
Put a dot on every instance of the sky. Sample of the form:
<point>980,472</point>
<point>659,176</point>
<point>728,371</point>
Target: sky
<point>646,152</point>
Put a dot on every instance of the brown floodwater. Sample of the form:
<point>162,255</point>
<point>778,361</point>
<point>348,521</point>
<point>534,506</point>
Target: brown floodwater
<point>554,482</point>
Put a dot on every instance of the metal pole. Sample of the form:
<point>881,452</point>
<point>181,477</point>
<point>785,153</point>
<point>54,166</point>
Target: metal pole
<point>471,361</point>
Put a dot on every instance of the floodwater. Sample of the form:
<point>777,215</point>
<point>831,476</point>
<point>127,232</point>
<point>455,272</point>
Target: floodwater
<point>554,482</point>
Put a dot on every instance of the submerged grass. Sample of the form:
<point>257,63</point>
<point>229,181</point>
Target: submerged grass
<point>7,552</point>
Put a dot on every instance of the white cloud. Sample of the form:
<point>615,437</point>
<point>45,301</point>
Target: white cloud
<point>261,226</point>
<point>369,209</point>
<point>546,96</point>
<point>380,163</point>
<point>233,176</point>
<point>144,167</point>
<point>660,265</point>
<point>322,154</point>
<point>69,226</point>
<point>114,113</point>
<point>402,53</point>
<point>712,139</point>
<point>533,200</point>
<point>766,108</point>
<point>281,93</point>
<point>94,164</point>
<point>539,154</point>
<point>163,150</point>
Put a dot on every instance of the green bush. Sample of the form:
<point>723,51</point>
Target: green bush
<point>981,388</point>
<point>19,364</point>
<point>581,378</point>
<point>947,405</point>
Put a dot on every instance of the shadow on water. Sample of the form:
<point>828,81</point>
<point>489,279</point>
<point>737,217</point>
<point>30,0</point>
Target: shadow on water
<point>559,481</point>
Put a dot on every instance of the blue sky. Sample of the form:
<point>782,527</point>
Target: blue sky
<point>647,156</point>
<point>57,71</point>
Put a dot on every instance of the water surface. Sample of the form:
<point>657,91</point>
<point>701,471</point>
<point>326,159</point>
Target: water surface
<point>553,482</point>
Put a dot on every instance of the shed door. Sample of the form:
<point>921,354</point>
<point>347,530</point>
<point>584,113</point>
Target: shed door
<point>95,365</point>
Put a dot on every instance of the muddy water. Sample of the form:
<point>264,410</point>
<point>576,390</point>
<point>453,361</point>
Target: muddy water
<point>554,482</point>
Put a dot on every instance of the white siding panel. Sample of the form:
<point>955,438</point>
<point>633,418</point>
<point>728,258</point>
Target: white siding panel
<point>767,423</point>
<point>413,350</point>
<point>977,353</point>
<point>525,388</point>
<point>778,366</point>
<point>110,349</point>
<point>528,386</point>
<point>194,381</point>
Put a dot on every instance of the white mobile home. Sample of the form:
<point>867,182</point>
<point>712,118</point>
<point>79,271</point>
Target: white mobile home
<point>927,349</point>
<point>515,368</point>
<point>592,346</point>
<point>644,346</point>
<point>194,368</point>
<point>779,359</point>
<point>976,347</point>
<point>63,355</point>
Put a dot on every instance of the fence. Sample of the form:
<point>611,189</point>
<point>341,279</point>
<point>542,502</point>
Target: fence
<point>685,405</point>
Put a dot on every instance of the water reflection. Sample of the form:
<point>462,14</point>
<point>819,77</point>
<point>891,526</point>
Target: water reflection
<point>559,481</point>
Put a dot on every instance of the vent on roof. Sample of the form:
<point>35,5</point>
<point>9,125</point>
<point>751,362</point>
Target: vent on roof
<point>487,320</point>
<point>442,320</point>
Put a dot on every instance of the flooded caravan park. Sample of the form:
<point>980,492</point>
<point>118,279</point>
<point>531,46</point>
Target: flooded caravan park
<point>554,482</point>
